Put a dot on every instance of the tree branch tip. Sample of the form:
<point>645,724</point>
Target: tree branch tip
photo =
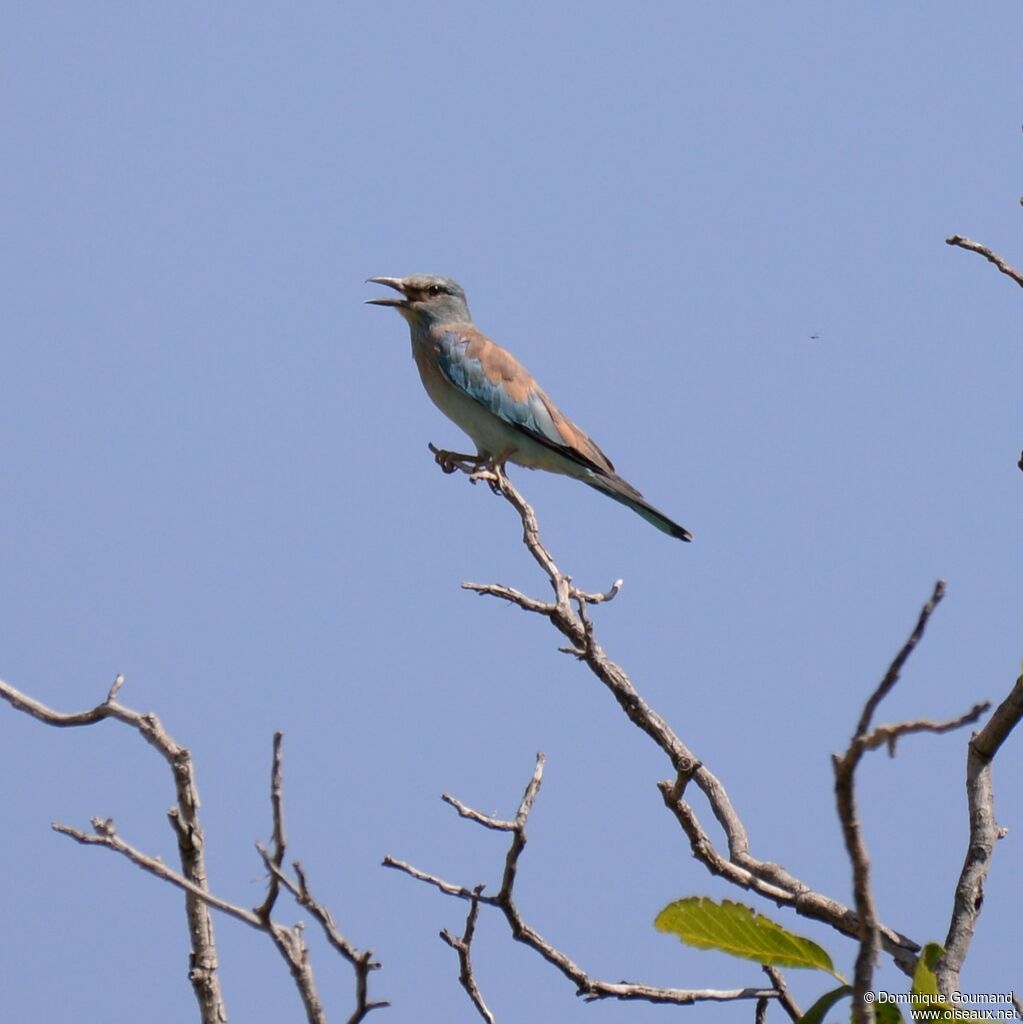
<point>583,596</point>
<point>115,688</point>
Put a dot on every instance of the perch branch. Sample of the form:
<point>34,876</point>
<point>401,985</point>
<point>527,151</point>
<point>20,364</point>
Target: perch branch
<point>566,613</point>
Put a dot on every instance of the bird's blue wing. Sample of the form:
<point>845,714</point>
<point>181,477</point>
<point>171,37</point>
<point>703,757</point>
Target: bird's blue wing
<point>513,396</point>
<point>499,382</point>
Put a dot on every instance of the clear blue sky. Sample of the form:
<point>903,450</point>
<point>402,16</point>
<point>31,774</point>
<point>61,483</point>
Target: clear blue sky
<point>715,233</point>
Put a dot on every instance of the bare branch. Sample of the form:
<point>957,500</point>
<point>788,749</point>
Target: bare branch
<point>184,817</point>
<point>984,833</point>
<point>518,843</point>
<point>105,834</point>
<point>279,839</point>
<point>567,615</point>
<point>361,960</point>
<point>587,987</point>
<point>845,795</point>
<point>445,887</point>
<point>891,677</point>
<point>462,947</point>
<point>192,879</point>
<point>889,735</point>
<point>983,250</point>
<point>1006,717</point>
<point>290,942</point>
<point>788,1004</point>
<point>481,819</point>
<point>513,596</point>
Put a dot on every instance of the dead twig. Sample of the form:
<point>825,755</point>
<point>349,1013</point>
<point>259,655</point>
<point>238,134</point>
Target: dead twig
<point>183,817</point>
<point>589,988</point>
<point>988,254</point>
<point>462,947</point>
<point>192,878</point>
<point>845,766</point>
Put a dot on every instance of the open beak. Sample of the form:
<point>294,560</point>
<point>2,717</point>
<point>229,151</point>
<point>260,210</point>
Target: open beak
<point>392,282</point>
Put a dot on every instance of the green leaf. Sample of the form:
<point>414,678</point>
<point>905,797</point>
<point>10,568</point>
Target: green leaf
<point>925,981</point>
<point>887,1013</point>
<point>884,1013</point>
<point>737,929</point>
<point>924,993</point>
<point>815,1015</point>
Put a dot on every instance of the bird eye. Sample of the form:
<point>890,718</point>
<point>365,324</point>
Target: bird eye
<point>435,289</point>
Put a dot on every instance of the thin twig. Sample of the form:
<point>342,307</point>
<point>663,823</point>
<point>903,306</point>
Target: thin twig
<point>463,947</point>
<point>891,677</point>
<point>279,838</point>
<point>587,987</point>
<point>988,254</point>
<point>105,834</point>
<point>889,735</point>
<point>290,942</point>
<point>361,960</point>
<point>852,831</point>
<point>448,888</point>
<point>481,819</point>
<point>785,1000</point>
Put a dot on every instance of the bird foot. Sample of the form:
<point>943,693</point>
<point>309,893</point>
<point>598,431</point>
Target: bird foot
<point>491,473</point>
<point>488,468</point>
<point>449,462</point>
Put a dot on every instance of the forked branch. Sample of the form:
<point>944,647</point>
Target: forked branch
<point>567,611</point>
<point>586,986</point>
<point>845,766</point>
<point>192,878</point>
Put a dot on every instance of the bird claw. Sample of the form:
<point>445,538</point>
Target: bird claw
<point>488,468</point>
<point>449,462</point>
<point>490,475</point>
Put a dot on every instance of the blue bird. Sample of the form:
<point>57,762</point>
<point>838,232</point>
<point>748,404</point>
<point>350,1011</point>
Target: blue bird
<point>487,392</point>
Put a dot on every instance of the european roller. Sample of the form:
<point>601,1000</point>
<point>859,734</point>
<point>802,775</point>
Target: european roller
<point>486,391</point>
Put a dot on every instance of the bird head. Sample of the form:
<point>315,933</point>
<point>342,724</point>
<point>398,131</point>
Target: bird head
<point>425,299</point>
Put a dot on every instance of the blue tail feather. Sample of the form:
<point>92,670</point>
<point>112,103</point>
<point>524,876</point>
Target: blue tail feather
<point>622,492</point>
